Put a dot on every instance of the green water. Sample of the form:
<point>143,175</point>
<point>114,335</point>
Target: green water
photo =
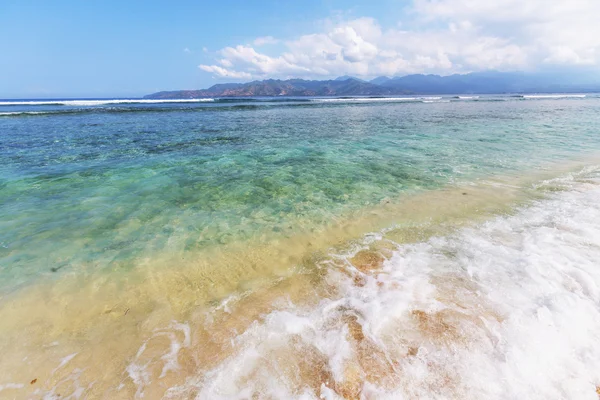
<point>101,188</point>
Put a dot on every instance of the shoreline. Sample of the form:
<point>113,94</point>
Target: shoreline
<point>102,311</point>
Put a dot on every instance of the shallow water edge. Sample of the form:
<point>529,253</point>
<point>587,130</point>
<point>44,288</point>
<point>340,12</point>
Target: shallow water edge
<point>175,328</point>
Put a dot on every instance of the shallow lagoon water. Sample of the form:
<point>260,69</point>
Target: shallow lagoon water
<point>107,185</point>
<point>145,247</point>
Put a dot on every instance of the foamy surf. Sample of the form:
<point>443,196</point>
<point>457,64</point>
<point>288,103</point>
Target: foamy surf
<point>374,99</point>
<point>507,309</point>
<point>17,113</point>
<point>41,113</point>
<point>553,96</point>
<point>80,103</point>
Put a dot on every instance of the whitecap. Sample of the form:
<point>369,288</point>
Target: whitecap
<point>85,103</point>
<point>553,96</point>
<point>17,113</point>
<point>378,99</point>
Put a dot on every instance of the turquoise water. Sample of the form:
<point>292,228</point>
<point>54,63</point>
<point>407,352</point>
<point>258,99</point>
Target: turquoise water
<point>102,186</point>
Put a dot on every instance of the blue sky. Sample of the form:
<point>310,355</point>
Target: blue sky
<point>131,48</point>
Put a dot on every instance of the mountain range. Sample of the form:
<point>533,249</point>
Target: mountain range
<point>472,83</point>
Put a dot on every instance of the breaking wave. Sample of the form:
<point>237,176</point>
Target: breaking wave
<point>87,103</point>
<point>19,113</point>
<point>373,99</point>
<point>226,104</point>
<point>507,309</point>
<point>552,96</point>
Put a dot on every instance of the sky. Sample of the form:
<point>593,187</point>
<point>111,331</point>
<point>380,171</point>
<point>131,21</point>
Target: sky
<point>130,48</point>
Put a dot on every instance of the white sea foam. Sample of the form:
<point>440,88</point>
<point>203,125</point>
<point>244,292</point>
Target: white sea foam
<point>179,336</point>
<point>374,99</point>
<point>16,113</point>
<point>364,99</point>
<point>553,96</point>
<point>71,383</point>
<point>505,310</point>
<point>468,97</point>
<point>64,361</point>
<point>79,103</point>
<point>7,386</point>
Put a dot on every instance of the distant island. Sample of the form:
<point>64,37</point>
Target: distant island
<point>473,83</point>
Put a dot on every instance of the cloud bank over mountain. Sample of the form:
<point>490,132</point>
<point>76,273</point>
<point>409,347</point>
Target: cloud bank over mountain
<point>437,36</point>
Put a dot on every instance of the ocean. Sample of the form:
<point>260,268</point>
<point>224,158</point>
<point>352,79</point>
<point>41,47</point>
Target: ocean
<point>439,247</point>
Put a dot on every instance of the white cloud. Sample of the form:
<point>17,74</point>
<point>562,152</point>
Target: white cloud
<point>445,36</point>
<point>186,50</point>
<point>552,31</point>
<point>224,73</point>
<point>248,63</point>
<point>263,40</point>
